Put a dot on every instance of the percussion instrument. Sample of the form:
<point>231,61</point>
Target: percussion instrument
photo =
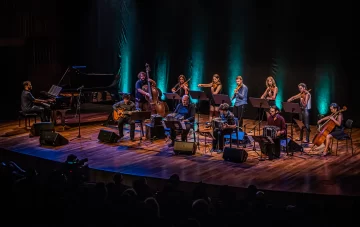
<point>218,123</point>
<point>270,130</point>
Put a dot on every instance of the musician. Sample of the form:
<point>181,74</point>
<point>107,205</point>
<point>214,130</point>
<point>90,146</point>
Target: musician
<point>270,92</point>
<point>188,111</point>
<point>305,104</point>
<point>228,127</point>
<point>338,131</point>
<point>275,119</point>
<point>29,104</point>
<point>216,88</point>
<point>140,94</point>
<point>240,99</point>
<point>126,105</point>
<point>181,88</point>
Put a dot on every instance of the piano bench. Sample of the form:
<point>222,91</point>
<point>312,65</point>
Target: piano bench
<point>26,117</point>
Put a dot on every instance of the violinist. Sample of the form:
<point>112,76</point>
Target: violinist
<point>305,105</point>
<point>215,87</point>
<point>338,131</point>
<point>241,94</point>
<point>140,94</point>
<point>270,92</point>
<point>182,87</point>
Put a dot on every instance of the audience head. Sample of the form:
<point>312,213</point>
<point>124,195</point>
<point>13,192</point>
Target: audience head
<point>118,178</point>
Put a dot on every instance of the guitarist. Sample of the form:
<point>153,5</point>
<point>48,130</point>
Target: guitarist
<point>125,105</point>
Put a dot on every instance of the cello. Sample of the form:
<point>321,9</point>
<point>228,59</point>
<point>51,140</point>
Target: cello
<point>157,107</point>
<point>326,128</point>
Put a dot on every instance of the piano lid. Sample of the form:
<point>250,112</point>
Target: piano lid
<point>76,78</point>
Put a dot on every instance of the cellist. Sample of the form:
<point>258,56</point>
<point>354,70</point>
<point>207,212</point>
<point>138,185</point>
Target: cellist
<point>140,94</point>
<point>305,105</point>
<point>338,131</point>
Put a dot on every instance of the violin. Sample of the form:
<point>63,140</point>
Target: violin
<point>236,90</point>
<point>300,95</point>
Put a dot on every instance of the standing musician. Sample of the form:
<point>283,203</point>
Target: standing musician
<point>186,110</point>
<point>305,105</point>
<point>228,127</point>
<point>182,87</point>
<point>270,92</point>
<point>216,87</point>
<point>140,94</point>
<point>240,96</point>
<point>338,131</point>
<point>125,105</point>
<point>28,103</point>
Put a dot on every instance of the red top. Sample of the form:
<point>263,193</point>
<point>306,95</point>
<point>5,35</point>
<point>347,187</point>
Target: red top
<point>278,122</point>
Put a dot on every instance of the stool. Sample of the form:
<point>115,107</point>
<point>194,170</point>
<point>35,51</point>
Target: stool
<point>27,117</point>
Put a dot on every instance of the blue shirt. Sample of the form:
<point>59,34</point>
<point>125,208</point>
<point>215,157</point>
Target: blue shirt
<point>241,96</point>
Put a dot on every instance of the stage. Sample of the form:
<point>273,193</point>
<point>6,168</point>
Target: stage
<point>331,175</point>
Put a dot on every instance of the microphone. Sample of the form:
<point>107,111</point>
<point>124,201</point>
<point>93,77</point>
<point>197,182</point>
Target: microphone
<point>82,86</point>
<point>78,67</point>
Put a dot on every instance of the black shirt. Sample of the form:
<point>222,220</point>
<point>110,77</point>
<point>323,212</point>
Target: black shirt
<point>126,107</point>
<point>27,100</point>
<point>187,111</point>
<point>139,84</point>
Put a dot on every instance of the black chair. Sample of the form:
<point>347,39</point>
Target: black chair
<point>27,117</point>
<point>346,137</point>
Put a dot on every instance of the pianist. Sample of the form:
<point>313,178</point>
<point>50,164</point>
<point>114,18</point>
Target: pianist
<point>125,105</point>
<point>29,104</point>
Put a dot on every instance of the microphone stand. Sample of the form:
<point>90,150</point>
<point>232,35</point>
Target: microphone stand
<point>78,111</point>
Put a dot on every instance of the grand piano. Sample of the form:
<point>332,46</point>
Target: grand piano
<point>94,87</point>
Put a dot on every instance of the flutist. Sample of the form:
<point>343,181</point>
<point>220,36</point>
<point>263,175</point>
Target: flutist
<point>240,96</point>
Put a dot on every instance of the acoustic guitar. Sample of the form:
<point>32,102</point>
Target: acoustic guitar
<point>120,113</point>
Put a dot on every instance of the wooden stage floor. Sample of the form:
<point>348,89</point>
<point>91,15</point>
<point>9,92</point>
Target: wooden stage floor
<point>334,175</point>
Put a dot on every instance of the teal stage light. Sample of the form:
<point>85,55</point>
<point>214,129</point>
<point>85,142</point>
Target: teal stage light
<point>162,72</point>
<point>324,77</point>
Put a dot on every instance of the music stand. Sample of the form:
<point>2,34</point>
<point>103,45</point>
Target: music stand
<point>140,116</point>
<point>260,104</point>
<point>220,99</point>
<point>206,134</point>
<point>261,141</point>
<point>199,95</point>
<point>173,97</point>
<point>292,108</point>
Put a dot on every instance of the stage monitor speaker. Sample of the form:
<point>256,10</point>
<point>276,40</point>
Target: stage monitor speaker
<point>235,155</point>
<point>52,139</point>
<point>188,148</point>
<point>294,147</point>
<point>37,128</point>
<point>108,136</point>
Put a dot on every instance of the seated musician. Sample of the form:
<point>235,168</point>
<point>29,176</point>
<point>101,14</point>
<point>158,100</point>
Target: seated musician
<point>188,111</point>
<point>338,131</point>
<point>228,127</point>
<point>29,104</point>
<point>126,105</point>
<point>275,119</point>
